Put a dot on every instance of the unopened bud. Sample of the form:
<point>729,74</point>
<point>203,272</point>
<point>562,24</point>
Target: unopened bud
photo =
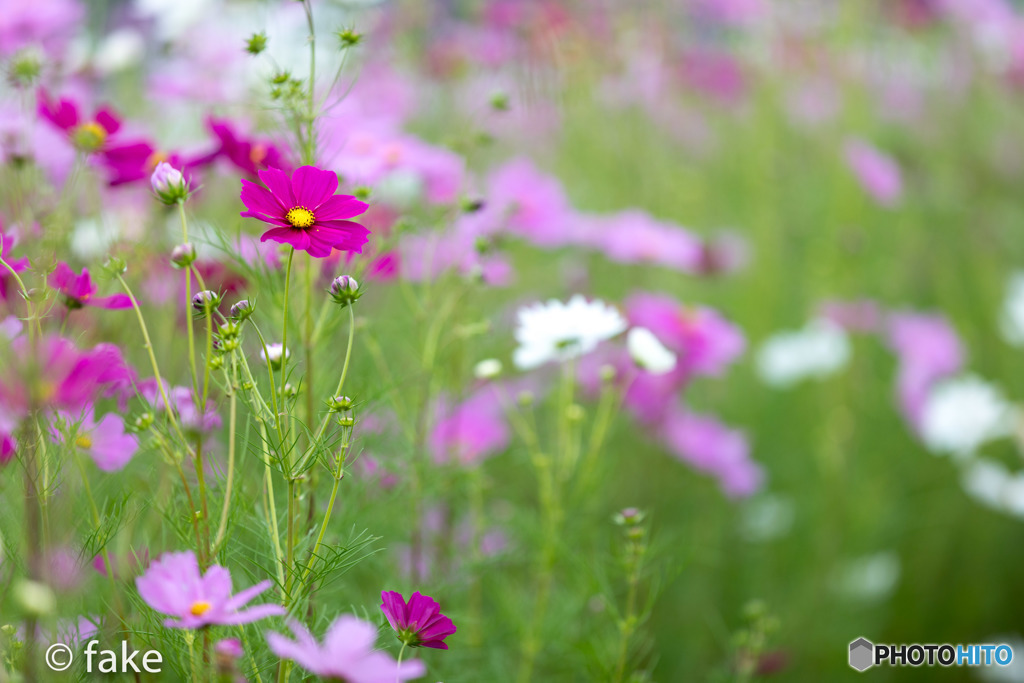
<point>345,290</point>
<point>183,255</point>
<point>242,310</point>
<point>35,598</point>
<point>290,391</point>
<point>256,43</point>
<point>338,404</point>
<point>205,301</point>
<point>273,354</point>
<point>629,516</point>
<point>168,184</point>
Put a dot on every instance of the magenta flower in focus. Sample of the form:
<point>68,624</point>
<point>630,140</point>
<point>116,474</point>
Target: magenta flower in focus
<point>79,290</point>
<point>173,585</point>
<point>306,212</point>
<point>346,653</point>
<point>419,622</point>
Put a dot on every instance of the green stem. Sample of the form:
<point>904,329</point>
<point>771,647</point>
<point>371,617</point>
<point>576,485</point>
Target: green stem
<point>232,418</point>
<point>188,305</point>
<point>284,323</point>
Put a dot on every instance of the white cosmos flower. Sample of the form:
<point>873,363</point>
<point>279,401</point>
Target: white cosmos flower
<point>992,485</point>
<point>963,413</point>
<point>648,352</point>
<point>818,350</point>
<point>559,331</point>
<point>1011,321</point>
<point>487,369</point>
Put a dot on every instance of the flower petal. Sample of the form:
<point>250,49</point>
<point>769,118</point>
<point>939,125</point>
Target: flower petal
<point>280,186</point>
<point>313,186</point>
<point>339,207</point>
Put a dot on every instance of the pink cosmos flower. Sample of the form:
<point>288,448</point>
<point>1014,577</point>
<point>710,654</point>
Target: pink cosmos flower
<point>106,442</point>
<point>247,153</point>
<point>346,653</point>
<point>90,134</point>
<point>636,237</point>
<point>712,447</point>
<point>470,431</point>
<point>173,585</point>
<point>877,172</point>
<point>306,212</point>
<point>8,447</point>
<point>419,622</point>
<point>78,290</point>
<point>530,204</point>
<point>928,350</point>
<point>50,23</point>
<point>54,373</point>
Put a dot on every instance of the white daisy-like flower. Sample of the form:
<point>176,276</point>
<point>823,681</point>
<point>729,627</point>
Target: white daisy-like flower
<point>648,352</point>
<point>818,350</point>
<point>963,413</point>
<point>560,331</point>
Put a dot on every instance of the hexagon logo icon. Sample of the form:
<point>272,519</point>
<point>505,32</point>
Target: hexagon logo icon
<point>862,654</point>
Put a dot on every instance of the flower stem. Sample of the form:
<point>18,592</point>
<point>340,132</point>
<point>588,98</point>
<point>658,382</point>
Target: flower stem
<point>284,323</point>
<point>188,305</point>
<point>232,418</point>
<point>398,665</point>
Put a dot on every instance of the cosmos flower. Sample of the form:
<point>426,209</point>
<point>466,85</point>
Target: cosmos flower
<point>963,413</point>
<point>105,441</point>
<point>418,622</point>
<point>818,350</point>
<point>305,211</point>
<point>173,585</point>
<point>471,430</point>
<point>649,353</point>
<point>346,653</point>
<point>248,154</point>
<point>928,350</point>
<point>560,331</point>
<point>79,290</point>
<point>89,135</point>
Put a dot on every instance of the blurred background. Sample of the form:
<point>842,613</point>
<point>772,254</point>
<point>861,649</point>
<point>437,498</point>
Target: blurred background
<point>839,180</point>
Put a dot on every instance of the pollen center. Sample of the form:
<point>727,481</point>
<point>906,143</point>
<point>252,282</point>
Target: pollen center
<point>83,442</point>
<point>199,608</point>
<point>89,136</point>
<point>300,217</point>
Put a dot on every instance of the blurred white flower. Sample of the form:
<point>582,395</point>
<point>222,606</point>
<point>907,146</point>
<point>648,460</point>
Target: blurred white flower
<point>766,518</point>
<point>559,331</point>
<point>119,50</point>
<point>1009,673</point>
<point>1011,321</point>
<point>961,414</point>
<point>871,577</point>
<point>91,238</point>
<point>487,369</point>
<point>649,353</point>
<point>992,485</point>
<point>818,350</point>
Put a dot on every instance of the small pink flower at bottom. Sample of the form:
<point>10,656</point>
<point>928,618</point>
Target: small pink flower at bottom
<point>305,212</point>
<point>346,653</point>
<point>174,586</point>
<point>419,622</point>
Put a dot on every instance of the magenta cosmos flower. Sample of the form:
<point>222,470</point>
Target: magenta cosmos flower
<point>419,622</point>
<point>79,290</point>
<point>306,212</point>
<point>88,134</point>
<point>346,653</point>
<point>174,586</point>
<point>105,441</point>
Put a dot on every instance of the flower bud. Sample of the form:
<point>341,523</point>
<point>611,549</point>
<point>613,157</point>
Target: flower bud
<point>338,404</point>
<point>168,184</point>
<point>274,353</point>
<point>256,43</point>
<point>525,399</point>
<point>487,369</point>
<point>346,421</point>
<point>290,391</point>
<point>345,290</point>
<point>242,310</point>
<point>115,266</point>
<point>205,301</point>
<point>629,516</point>
<point>144,421</point>
<point>183,255</point>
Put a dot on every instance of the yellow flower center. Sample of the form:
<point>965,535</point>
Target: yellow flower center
<point>89,136</point>
<point>258,153</point>
<point>84,442</point>
<point>154,160</point>
<point>200,607</point>
<point>300,217</point>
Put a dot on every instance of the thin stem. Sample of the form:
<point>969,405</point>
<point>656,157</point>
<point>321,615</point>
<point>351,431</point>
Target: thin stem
<point>232,417</point>
<point>188,305</point>
<point>339,474</point>
<point>398,674</point>
<point>284,323</point>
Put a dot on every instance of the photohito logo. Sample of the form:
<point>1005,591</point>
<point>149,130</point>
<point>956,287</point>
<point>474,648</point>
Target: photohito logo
<point>864,654</point>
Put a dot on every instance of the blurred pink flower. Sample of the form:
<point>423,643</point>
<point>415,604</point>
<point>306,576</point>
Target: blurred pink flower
<point>714,448</point>
<point>636,237</point>
<point>49,23</point>
<point>471,430</point>
<point>88,134</point>
<point>877,172</point>
<point>249,154</point>
<point>106,441</point>
<point>79,290</point>
<point>859,315</point>
<point>928,350</point>
<point>347,653</point>
<point>174,586</point>
<point>530,204</point>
